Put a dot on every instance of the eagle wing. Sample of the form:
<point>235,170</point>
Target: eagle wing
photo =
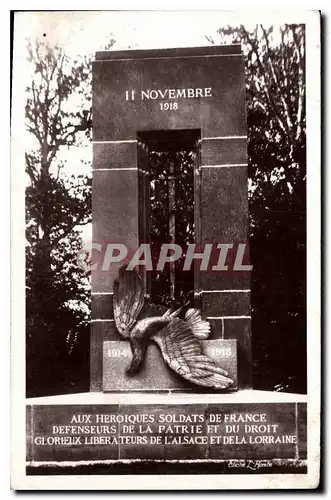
<point>128,300</point>
<point>129,305</point>
<point>200,328</point>
<point>182,352</point>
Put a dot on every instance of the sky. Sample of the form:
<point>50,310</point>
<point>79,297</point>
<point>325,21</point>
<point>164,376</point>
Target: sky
<point>87,32</point>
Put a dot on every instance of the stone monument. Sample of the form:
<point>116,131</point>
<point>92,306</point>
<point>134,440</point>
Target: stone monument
<point>170,168</point>
<point>168,122</point>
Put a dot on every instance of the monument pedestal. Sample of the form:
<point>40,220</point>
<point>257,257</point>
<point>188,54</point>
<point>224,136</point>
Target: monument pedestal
<point>98,433</point>
<point>155,374</point>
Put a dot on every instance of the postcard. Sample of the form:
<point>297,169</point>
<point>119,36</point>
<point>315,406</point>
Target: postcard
<point>166,250</point>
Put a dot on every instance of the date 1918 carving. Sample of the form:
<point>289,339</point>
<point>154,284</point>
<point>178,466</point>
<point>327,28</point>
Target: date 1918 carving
<point>168,106</point>
<point>219,351</point>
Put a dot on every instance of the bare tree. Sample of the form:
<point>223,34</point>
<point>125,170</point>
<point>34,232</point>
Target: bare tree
<point>58,116</point>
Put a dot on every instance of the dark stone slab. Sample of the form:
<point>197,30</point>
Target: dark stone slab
<point>214,50</point>
<point>245,432</point>
<point>160,442</point>
<point>225,221</point>
<point>281,415</point>
<point>225,280</point>
<point>225,304</point>
<point>115,220</point>
<point>223,151</point>
<point>100,331</point>
<point>301,409</point>
<point>114,155</point>
<point>217,329</point>
<point>105,329</point>
<point>225,205</point>
<point>222,114</point>
<point>240,329</point>
<point>155,375</point>
<point>45,417</point>
<point>198,450</point>
<point>153,446</point>
<point>102,306</point>
<point>229,266</point>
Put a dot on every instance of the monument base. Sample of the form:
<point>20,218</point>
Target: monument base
<point>235,433</point>
<point>155,375</point>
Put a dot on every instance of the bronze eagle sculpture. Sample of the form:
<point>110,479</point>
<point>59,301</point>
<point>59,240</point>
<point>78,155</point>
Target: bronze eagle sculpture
<point>178,339</point>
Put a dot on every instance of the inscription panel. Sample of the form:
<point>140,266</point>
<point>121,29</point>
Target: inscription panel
<point>236,432</point>
<point>155,374</point>
<point>144,94</point>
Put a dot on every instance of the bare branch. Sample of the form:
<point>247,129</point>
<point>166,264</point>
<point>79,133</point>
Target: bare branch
<point>30,169</point>
<point>209,39</point>
<point>282,45</point>
<point>59,167</point>
<point>57,113</point>
<point>277,82</point>
<point>33,114</point>
<point>301,89</point>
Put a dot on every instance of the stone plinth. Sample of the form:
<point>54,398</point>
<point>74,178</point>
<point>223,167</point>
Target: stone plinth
<point>239,437</point>
<point>155,375</point>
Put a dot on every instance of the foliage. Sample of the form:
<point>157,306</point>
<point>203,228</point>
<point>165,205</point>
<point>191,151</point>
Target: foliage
<point>275,93</point>
<point>58,115</point>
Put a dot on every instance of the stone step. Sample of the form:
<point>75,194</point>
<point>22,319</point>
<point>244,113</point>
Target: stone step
<point>155,376</point>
